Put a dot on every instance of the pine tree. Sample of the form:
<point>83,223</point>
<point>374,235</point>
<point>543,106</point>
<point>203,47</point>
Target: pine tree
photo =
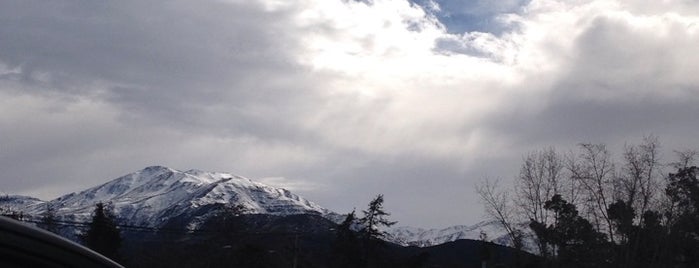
<point>346,245</point>
<point>375,218</point>
<point>48,219</point>
<point>103,235</point>
<point>372,222</point>
<point>344,230</point>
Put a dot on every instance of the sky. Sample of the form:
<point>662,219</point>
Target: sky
<point>337,100</point>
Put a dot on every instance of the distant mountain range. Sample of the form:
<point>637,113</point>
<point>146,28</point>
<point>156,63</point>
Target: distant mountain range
<point>156,196</point>
<point>420,237</point>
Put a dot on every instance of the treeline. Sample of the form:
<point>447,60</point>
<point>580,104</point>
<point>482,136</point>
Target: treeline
<point>587,209</point>
<point>231,236</point>
<point>359,241</point>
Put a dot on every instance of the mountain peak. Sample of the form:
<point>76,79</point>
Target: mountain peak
<point>155,170</point>
<point>154,195</point>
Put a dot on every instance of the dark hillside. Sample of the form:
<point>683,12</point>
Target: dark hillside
<point>295,241</point>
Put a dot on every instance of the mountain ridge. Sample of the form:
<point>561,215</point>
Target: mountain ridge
<point>156,195</point>
<point>421,237</point>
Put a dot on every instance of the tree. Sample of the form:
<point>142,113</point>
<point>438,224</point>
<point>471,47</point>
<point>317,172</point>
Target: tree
<point>623,219</point>
<point>683,192</point>
<point>498,207</point>
<point>622,216</point>
<point>346,246</point>
<point>685,158</point>
<point>595,172</point>
<point>639,181</point>
<point>344,230</point>
<point>653,236</point>
<point>374,219</point>
<point>575,240</point>
<point>103,235</point>
<point>48,219</point>
<point>540,177</point>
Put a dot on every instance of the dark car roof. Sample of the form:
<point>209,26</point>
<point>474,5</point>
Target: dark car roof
<point>22,245</point>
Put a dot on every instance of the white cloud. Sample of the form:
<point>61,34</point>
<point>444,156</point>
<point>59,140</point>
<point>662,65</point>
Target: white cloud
<point>349,97</point>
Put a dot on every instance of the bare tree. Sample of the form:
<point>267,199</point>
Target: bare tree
<point>594,170</point>
<point>540,178</point>
<point>640,181</point>
<point>571,187</point>
<point>499,208</point>
<point>685,159</point>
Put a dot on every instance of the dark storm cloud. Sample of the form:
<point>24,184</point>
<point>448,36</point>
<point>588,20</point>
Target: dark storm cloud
<point>569,121</point>
<point>129,79</point>
<point>174,62</point>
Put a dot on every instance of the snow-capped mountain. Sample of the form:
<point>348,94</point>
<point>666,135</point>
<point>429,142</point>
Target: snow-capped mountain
<point>153,196</point>
<point>18,202</point>
<point>491,231</point>
<point>429,237</point>
<point>157,196</point>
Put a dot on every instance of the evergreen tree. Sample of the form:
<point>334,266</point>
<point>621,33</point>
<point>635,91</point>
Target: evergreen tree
<point>575,241</point>
<point>648,243</point>
<point>375,218</point>
<point>622,216</point>
<point>103,235</point>
<point>346,244</point>
<point>683,191</point>
<point>344,230</point>
<point>48,219</point>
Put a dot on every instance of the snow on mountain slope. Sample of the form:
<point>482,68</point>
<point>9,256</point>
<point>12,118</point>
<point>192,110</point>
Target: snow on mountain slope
<point>17,203</point>
<point>154,195</point>
<point>157,195</point>
<point>493,231</point>
<point>429,237</point>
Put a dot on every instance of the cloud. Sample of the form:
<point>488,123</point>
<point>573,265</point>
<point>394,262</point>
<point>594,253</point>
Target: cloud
<point>623,75</point>
<point>175,60</point>
<point>341,99</point>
